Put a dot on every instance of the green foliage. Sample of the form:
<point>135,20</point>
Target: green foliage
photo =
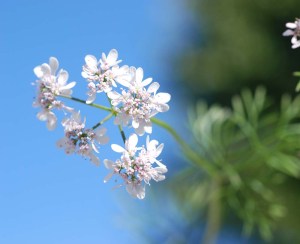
<point>239,44</point>
<point>254,150</point>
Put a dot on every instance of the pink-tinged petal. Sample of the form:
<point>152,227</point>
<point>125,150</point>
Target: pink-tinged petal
<point>94,159</point>
<point>108,177</point>
<point>91,61</point>
<point>139,75</point>
<point>108,164</point>
<point>291,25</point>
<point>132,142</point>
<point>91,98</point>
<point>153,87</point>
<point>147,82</point>
<point>163,97</point>
<point>61,142</point>
<point>140,131</point>
<point>103,140</point>
<point>101,131</point>
<point>53,62</point>
<point>62,77</point>
<point>288,33</point>
<point>117,148</point>
<point>136,190</point>
<point>43,115</point>
<point>51,122</point>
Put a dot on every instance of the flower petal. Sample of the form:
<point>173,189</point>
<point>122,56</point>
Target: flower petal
<point>53,62</point>
<point>117,148</point>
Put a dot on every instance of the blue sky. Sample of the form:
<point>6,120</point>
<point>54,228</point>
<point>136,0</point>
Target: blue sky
<point>45,195</point>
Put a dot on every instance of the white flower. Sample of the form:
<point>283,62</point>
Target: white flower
<point>80,140</point>
<point>102,75</point>
<point>138,104</point>
<point>135,166</point>
<point>294,30</point>
<point>109,61</point>
<point>49,86</point>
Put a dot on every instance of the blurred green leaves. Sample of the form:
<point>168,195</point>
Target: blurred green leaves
<point>253,149</point>
<point>239,44</point>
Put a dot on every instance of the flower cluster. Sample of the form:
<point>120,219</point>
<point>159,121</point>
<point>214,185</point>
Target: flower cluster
<point>136,165</point>
<point>133,105</point>
<point>80,140</point>
<point>102,75</point>
<point>49,86</point>
<point>294,30</point>
<point>138,104</point>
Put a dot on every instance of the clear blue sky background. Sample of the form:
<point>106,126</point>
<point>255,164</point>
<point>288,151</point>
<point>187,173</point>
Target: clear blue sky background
<point>45,195</point>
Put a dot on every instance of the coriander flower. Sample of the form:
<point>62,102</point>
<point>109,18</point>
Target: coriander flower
<point>49,86</point>
<point>102,75</point>
<point>80,140</point>
<point>294,30</point>
<point>135,166</point>
<point>138,104</point>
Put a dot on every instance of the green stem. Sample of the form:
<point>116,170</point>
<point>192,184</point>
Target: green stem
<point>122,133</point>
<point>214,212</point>
<point>189,153</point>
<point>84,102</point>
<point>102,121</point>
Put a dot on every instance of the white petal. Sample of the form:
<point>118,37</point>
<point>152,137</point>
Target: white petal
<point>94,159</point>
<point>62,77</point>
<point>162,107</point>
<point>95,148</point>
<point>108,177</point>
<point>117,148</point>
<point>132,142</point>
<point>53,62</point>
<point>291,25</point>
<point>297,44</point>
<point>147,82</point>
<point>38,71</point>
<point>135,124</point>
<point>294,40</point>
<point>91,99</point>
<point>163,97</point>
<point>68,86</point>
<point>139,75</point>
<point>140,130</point>
<point>288,33</point>
<point>153,87</point>
<point>90,60</point>
<point>159,149</point>
<point>103,140</point>
<point>113,95</point>
<point>42,115</point>
<point>108,163</point>
<point>112,56</point>
<point>51,122</point>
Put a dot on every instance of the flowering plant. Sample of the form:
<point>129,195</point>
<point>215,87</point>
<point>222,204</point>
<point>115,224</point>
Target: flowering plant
<point>133,105</point>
